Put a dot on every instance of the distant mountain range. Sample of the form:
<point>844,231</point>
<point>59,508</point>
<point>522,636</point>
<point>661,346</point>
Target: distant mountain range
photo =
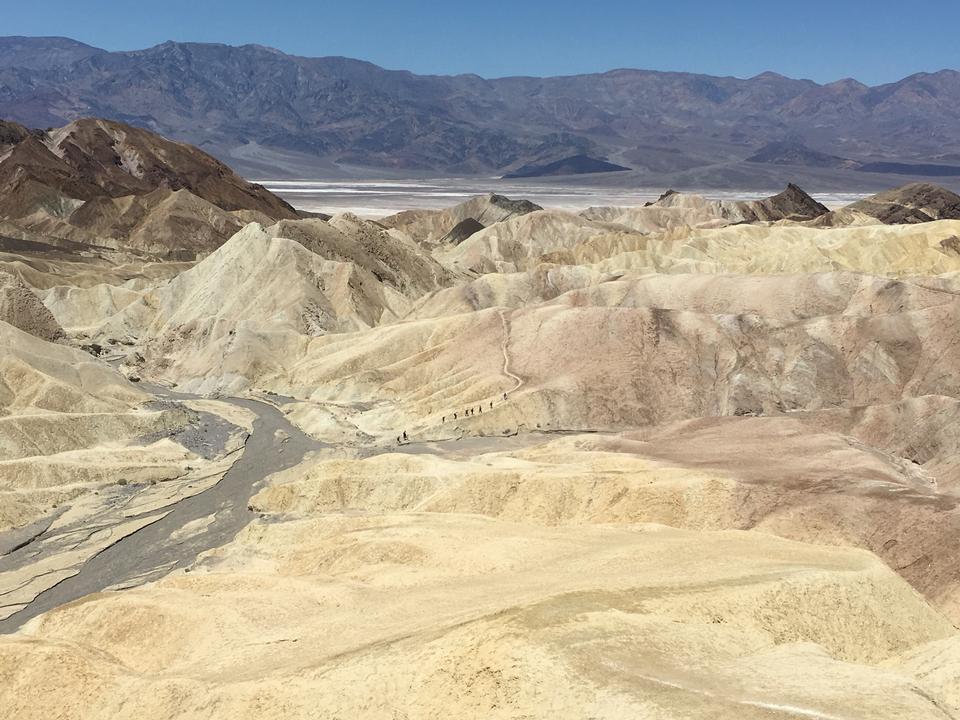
<point>272,114</point>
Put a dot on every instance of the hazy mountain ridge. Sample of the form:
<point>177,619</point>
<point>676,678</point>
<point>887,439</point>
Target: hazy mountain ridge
<point>256,105</point>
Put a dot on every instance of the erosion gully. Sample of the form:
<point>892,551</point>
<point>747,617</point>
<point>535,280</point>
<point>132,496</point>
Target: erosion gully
<point>154,550</point>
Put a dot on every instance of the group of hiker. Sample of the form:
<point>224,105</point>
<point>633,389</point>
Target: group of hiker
<point>469,412</point>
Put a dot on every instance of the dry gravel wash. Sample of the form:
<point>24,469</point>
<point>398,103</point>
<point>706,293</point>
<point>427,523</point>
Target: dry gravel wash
<point>131,550</point>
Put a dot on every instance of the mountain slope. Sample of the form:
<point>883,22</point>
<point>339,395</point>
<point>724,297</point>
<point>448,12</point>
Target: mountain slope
<point>22,309</point>
<point>108,184</point>
<point>43,53</point>
<point>257,300</point>
<point>91,158</point>
<point>919,202</point>
<point>264,110</point>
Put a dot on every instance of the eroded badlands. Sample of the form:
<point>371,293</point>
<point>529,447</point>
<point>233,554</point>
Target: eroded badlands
<point>692,460</point>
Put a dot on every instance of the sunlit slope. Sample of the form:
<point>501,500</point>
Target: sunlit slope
<point>445,614</point>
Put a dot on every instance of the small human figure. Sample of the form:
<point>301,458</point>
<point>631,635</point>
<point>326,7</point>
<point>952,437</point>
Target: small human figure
<point>443,419</point>
<point>480,407</point>
<point>491,404</point>
<point>404,435</point>
<point>454,416</point>
<point>398,439</point>
<point>504,396</point>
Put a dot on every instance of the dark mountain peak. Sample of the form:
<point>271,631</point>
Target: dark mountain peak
<point>11,133</point>
<point>912,203</point>
<point>794,151</point>
<point>98,181</point>
<point>91,158</point>
<point>517,207</point>
<point>125,160</point>
<point>919,194</point>
<point>573,165</point>
<point>796,201</point>
<point>792,204</point>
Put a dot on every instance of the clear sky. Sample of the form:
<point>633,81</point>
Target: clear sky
<point>875,42</point>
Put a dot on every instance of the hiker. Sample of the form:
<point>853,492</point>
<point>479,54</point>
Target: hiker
<point>491,404</point>
<point>443,419</point>
<point>404,435</point>
<point>454,416</point>
<point>504,396</point>
<point>398,440</point>
<point>481,409</point>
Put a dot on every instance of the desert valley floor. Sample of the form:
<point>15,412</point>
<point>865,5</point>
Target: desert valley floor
<point>691,458</point>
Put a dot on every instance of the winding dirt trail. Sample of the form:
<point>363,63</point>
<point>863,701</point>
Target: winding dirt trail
<point>505,349</point>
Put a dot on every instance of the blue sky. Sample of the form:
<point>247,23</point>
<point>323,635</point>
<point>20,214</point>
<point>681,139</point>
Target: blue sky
<point>875,42</point>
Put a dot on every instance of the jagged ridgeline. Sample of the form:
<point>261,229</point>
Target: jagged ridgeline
<point>271,114</point>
